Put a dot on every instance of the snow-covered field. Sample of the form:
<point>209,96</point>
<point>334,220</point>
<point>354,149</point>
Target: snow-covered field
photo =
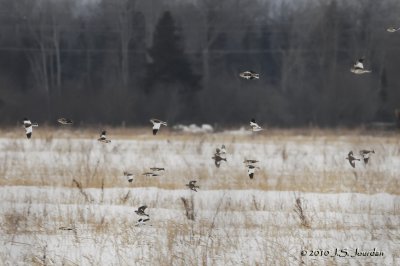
<point>305,197</point>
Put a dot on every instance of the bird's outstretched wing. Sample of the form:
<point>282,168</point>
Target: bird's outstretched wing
<point>142,208</point>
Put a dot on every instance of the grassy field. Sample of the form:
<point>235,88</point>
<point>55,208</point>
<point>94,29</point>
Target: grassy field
<point>305,196</point>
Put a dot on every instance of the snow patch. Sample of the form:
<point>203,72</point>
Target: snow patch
<point>193,128</point>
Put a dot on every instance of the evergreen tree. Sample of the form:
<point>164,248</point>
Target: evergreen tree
<point>169,63</point>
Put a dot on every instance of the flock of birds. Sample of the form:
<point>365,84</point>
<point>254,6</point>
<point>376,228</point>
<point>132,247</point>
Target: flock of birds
<point>220,153</point>
<point>219,156</point>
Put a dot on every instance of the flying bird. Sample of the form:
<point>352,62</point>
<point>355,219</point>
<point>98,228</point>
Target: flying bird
<point>351,159</point>
<point>254,126</point>
<point>28,127</point>
<point>103,137</point>
<point>250,161</point>
<point>392,29</point>
<point>65,121</point>
<point>142,221</point>
<point>192,185</point>
<point>129,176</point>
<point>157,124</point>
<point>249,75</point>
<point>251,170</point>
<point>218,158</point>
<point>358,67</point>
<point>365,155</point>
<point>157,169</point>
<point>66,228</point>
<point>140,211</point>
<point>150,174</point>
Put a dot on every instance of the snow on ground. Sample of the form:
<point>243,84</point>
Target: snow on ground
<point>193,128</point>
<point>250,227</point>
<point>286,163</point>
<point>238,221</point>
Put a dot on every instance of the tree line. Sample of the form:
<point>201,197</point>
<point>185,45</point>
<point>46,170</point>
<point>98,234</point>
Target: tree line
<point>124,61</point>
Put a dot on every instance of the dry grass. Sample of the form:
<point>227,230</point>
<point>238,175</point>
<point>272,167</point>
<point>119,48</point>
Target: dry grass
<point>95,167</point>
<point>221,233</point>
<point>216,238</point>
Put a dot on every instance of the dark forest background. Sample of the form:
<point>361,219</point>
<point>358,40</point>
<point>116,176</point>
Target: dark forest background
<point>115,61</point>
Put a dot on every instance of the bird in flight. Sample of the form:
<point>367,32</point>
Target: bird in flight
<point>249,75</point>
<point>192,185</point>
<point>157,169</point>
<point>28,127</point>
<point>218,158</point>
<point>103,137</point>
<point>65,121</point>
<point>129,176</point>
<point>149,174</point>
<point>365,155</point>
<point>250,161</point>
<point>142,221</point>
<point>254,126</point>
<point>157,124</point>
<point>358,67</point>
<point>140,211</point>
<point>392,29</point>
<point>251,169</point>
<point>350,157</point>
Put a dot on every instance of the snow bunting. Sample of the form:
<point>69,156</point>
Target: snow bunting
<point>142,221</point>
<point>365,155</point>
<point>28,127</point>
<point>157,169</point>
<point>129,176</point>
<point>218,158</point>
<point>254,126</point>
<point>250,161</point>
<point>149,174</point>
<point>392,29</point>
<point>358,67</point>
<point>251,170</point>
<point>140,211</point>
<point>249,75</point>
<point>103,137</point>
<point>157,124</point>
<point>351,159</point>
<point>192,185</point>
<point>65,121</point>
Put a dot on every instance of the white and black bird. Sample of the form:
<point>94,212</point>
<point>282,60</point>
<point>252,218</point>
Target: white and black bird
<point>65,121</point>
<point>249,75</point>
<point>250,161</point>
<point>392,29</point>
<point>157,169</point>
<point>129,176</point>
<point>28,127</point>
<point>142,221</point>
<point>358,67</point>
<point>251,169</point>
<point>150,174</point>
<point>103,137</point>
<point>218,158</point>
<point>365,154</point>
<point>350,157</point>
<point>192,185</point>
<point>157,124</point>
<point>140,211</point>
<point>254,126</point>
